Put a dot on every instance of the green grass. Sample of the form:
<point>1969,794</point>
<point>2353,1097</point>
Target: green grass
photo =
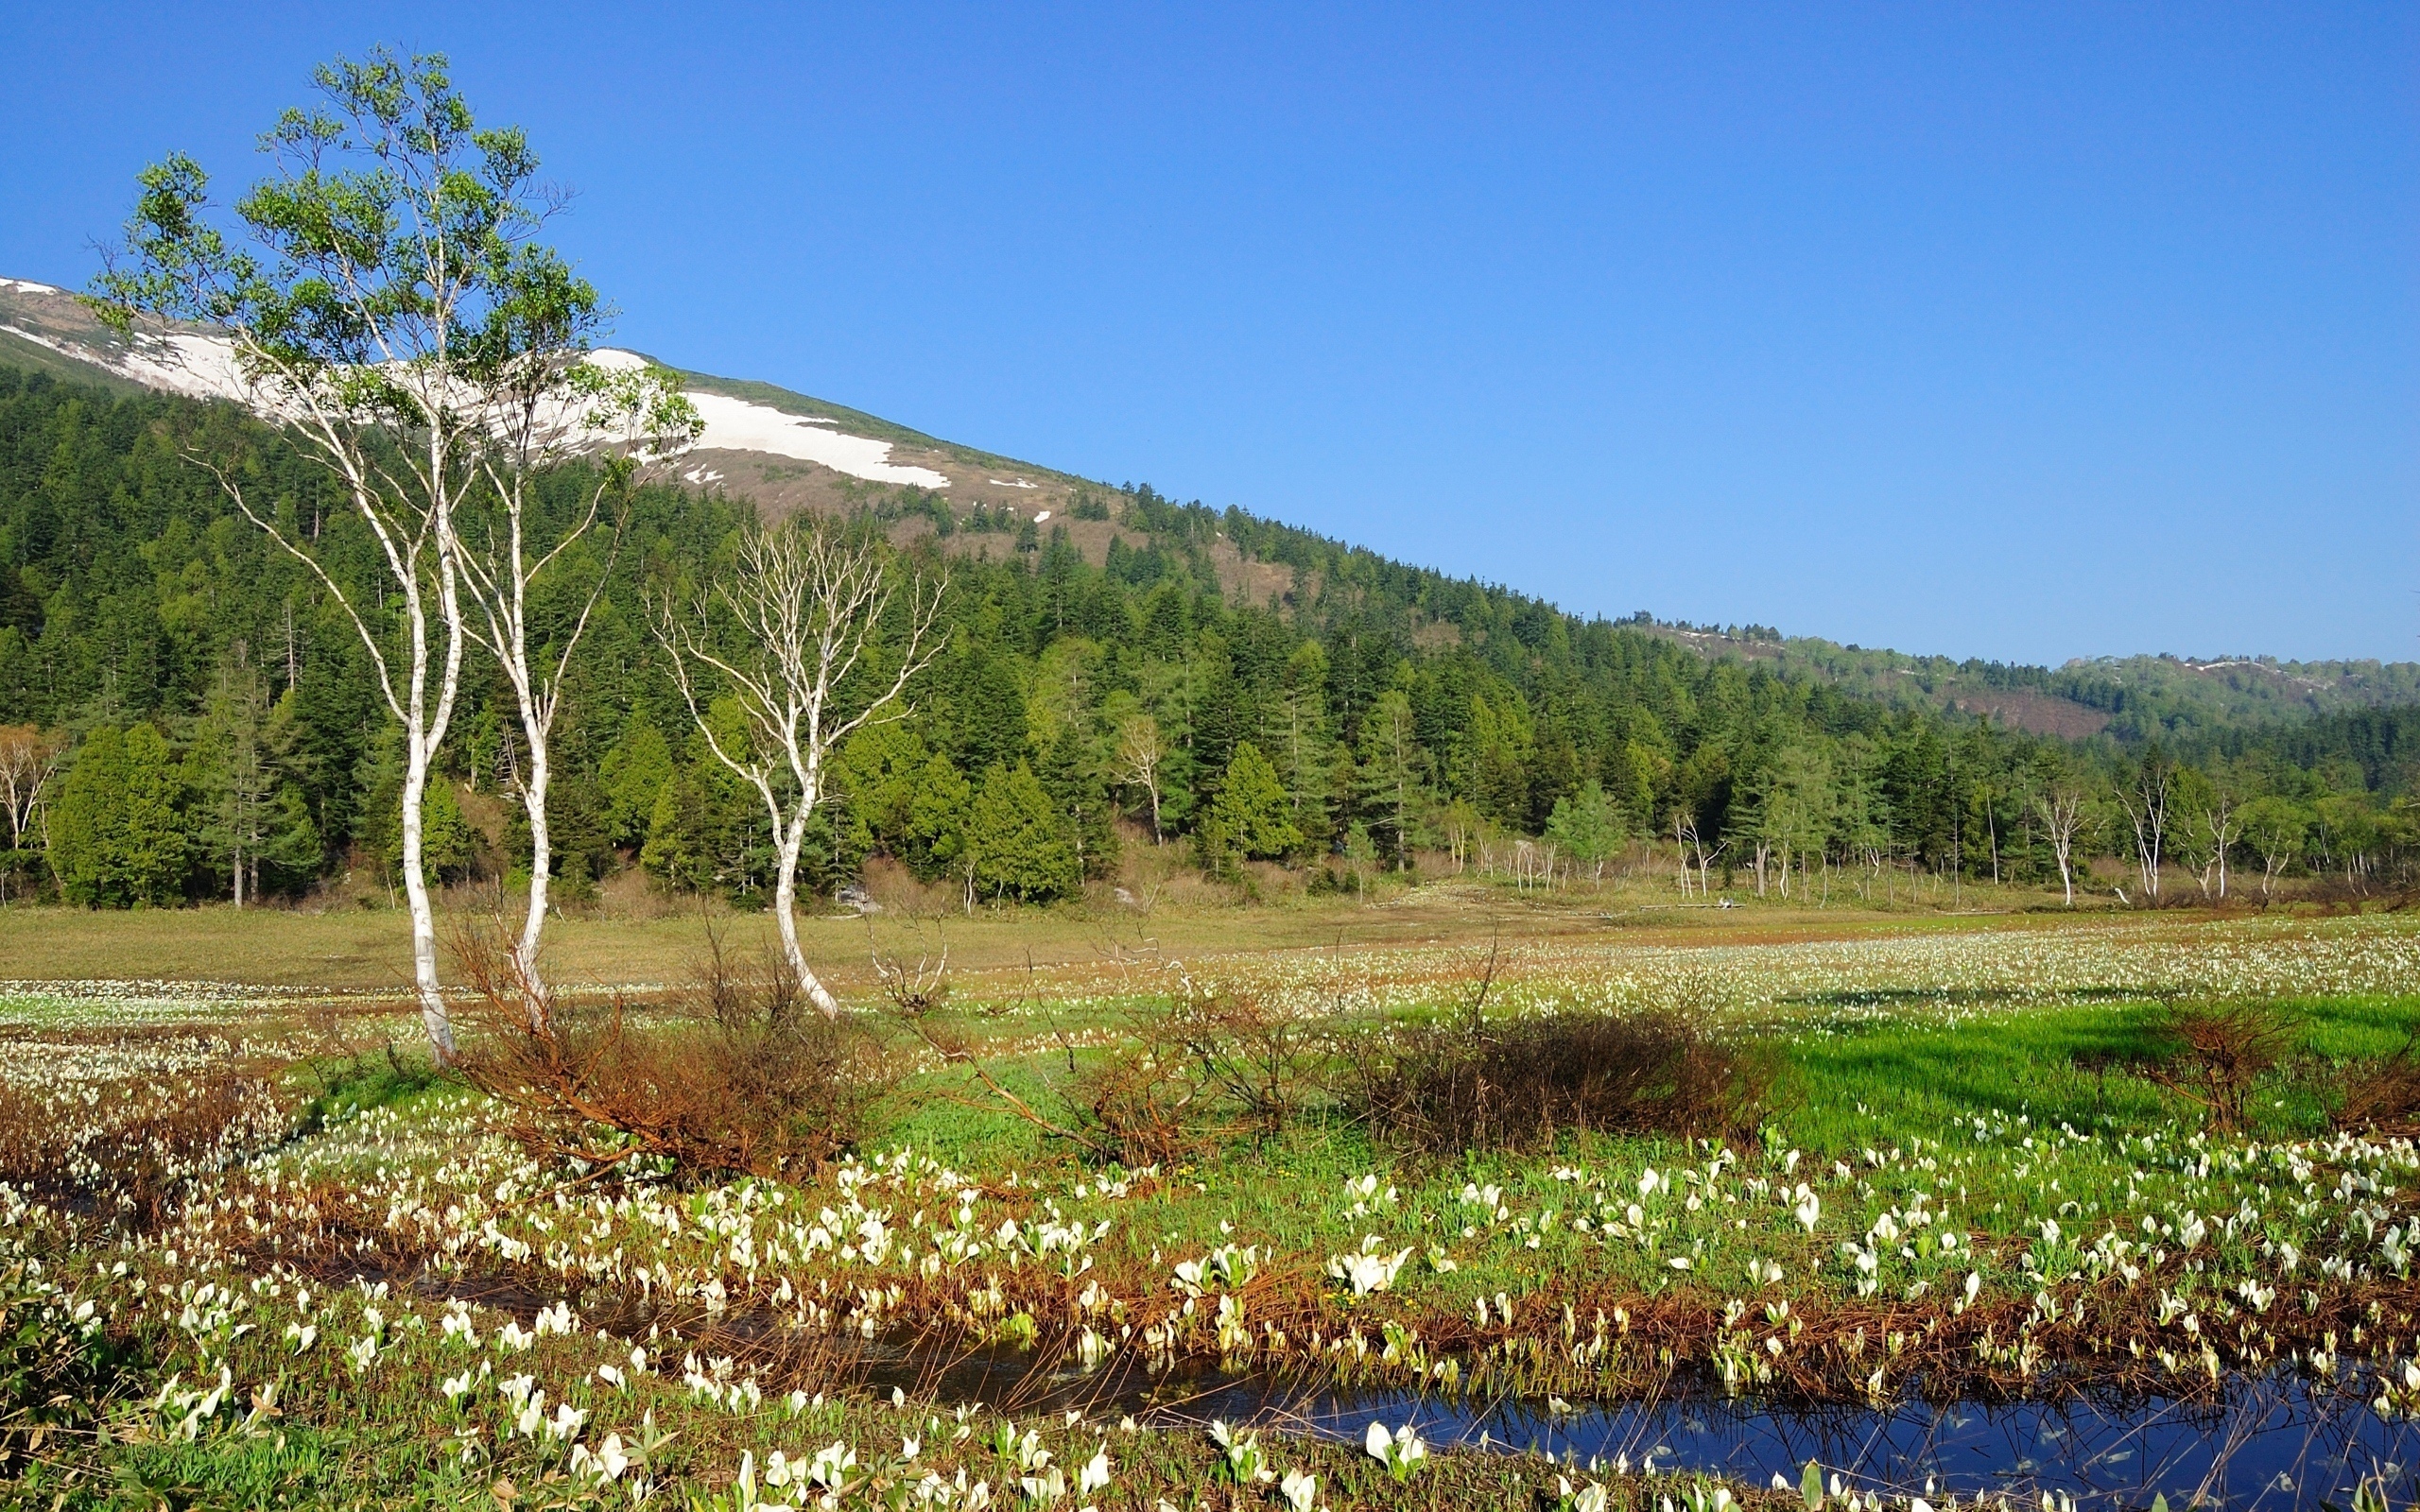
<point>1989,1115</point>
<point>2000,1114</point>
<point>349,1087</point>
<point>1855,1083</point>
<point>371,1462</point>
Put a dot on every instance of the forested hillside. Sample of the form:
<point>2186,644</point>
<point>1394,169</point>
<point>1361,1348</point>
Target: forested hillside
<point>2138,699</point>
<point>190,696</point>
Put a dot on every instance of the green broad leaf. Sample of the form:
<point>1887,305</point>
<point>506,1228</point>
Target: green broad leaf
<point>1810,1486</point>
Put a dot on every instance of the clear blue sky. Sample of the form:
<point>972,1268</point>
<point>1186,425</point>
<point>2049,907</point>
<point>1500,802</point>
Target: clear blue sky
<point>2017,331</point>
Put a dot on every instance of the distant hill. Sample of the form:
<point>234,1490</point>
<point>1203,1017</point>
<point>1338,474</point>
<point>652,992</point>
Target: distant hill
<point>2133,697</point>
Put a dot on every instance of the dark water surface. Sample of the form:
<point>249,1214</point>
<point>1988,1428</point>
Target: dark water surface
<point>2273,1444</point>
<point>2270,1444</point>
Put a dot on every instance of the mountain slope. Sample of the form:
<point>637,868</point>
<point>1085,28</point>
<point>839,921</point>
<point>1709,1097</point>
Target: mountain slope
<point>786,452</point>
<point>783,449</point>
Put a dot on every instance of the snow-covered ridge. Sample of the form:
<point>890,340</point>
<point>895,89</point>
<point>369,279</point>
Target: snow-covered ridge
<point>203,367</point>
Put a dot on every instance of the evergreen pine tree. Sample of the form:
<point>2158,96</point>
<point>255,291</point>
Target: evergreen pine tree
<point>118,840</point>
<point>630,776</point>
<point>1251,815</point>
<point>1587,827</point>
<point>1017,841</point>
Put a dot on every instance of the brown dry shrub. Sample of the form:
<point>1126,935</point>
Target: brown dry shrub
<point>1195,1070</point>
<point>1521,1085</point>
<point>738,1073</point>
<point>1132,1107</point>
<point>1145,1101</point>
<point>1186,1074</point>
<point>2217,1051</point>
<point>2382,1096</point>
<point>1261,1059</point>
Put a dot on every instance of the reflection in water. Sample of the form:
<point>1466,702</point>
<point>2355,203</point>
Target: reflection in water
<point>2271,1445</point>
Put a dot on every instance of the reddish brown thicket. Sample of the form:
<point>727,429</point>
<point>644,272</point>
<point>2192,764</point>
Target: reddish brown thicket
<point>1148,1105</point>
<point>1195,1070</point>
<point>1520,1085</point>
<point>2218,1052</point>
<point>1186,1074</point>
<point>2383,1096</point>
<point>738,1073</point>
<point>1261,1058</point>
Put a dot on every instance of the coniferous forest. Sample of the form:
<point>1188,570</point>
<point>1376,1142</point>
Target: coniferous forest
<point>187,718</point>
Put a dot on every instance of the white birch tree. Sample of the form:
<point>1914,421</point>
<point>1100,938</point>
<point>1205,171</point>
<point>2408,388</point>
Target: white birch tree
<point>2062,808</point>
<point>2221,827</point>
<point>2147,801</point>
<point>28,759</point>
<point>795,635</point>
<point>553,401</point>
<point>1139,755</point>
<point>389,300</point>
<point>2276,826</point>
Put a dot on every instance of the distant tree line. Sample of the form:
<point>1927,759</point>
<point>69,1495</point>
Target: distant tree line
<point>186,718</point>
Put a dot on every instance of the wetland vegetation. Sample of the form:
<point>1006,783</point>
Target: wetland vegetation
<point>261,1248</point>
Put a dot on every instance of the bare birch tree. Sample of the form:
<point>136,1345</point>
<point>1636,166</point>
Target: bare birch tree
<point>2062,810</point>
<point>2221,827</point>
<point>553,402</point>
<point>28,757</point>
<point>2145,801</point>
<point>1139,755</point>
<point>1685,828</point>
<point>794,635</point>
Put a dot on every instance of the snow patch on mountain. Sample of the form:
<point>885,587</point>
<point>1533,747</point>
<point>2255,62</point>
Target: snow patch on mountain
<point>739,425</point>
<point>204,367</point>
<point>200,367</point>
<point>736,425</point>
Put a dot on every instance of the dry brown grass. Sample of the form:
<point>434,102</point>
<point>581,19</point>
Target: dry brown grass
<point>123,1154</point>
<point>2383,1096</point>
<point>634,936</point>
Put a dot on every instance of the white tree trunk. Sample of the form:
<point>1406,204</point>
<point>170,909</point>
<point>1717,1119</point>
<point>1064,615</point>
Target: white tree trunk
<point>785,917</point>
<point>809,606</point>
<point>432,995</point>
<point>542,859</point>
